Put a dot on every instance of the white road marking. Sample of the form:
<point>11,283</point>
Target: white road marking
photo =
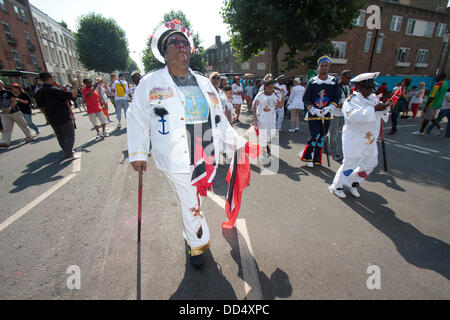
<point>422,148</point>
<point>412,149</point>
<point>391,140</point>
<point>250,274</point>
<point>76,164</point>
<point>445,158</point>
<point>34,203</point>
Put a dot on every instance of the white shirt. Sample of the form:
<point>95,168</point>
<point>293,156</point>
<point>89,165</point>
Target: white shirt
<point>266,110</point>
<point>296,97</point>
<point>446,103</point>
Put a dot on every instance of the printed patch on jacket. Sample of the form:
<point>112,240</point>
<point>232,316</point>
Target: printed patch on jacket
<point>214,99</point>
<point>369,137</point>
<point>160,93</point>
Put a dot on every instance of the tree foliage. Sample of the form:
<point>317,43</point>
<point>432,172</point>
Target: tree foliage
<point>197,61</point>
<point>301,25</point>
<point>101,44</point>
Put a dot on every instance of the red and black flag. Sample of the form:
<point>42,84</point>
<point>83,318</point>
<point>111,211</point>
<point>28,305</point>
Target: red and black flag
<point>238,178</point>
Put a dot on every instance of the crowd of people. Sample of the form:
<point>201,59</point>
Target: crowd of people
<point>56,102</point>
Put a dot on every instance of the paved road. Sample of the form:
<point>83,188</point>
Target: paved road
<point>294,239</point>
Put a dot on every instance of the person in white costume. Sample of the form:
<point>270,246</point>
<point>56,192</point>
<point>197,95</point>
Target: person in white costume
<point>295,104</point>
<point>362,113</point>
<point>180,112</point>
<point>265,106</point>
<point>238,91</point>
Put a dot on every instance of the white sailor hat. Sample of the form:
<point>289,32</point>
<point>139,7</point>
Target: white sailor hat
<point>298,80</point>
<point>162,33</point>
<point>366,79</point>
<point>281,76</point>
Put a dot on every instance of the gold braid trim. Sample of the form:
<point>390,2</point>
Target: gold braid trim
<point>199,250</point>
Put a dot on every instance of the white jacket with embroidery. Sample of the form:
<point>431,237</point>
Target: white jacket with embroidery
<point>170,143</point>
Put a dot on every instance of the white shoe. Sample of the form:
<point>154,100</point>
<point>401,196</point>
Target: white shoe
<point>310,164</point>
<point>98,136</point>
<point>337,192</point>
<point>354,192</point>
<point>291,130</point>
<point>418,133</point>
<point>105,134</point>
<point>296,129</point>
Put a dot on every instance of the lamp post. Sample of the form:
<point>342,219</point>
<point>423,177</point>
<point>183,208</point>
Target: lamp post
<point>444,46</point>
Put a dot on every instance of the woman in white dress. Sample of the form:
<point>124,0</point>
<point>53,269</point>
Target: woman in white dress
<point>265,107</point>
<point>238,91</point>
<point>295,103</point>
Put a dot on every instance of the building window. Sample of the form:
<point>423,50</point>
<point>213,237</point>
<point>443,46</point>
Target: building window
<point>403,54</point>
<point>28,40</point>
<point>422,56</point>
<point>24,15</point>
<point>16,9</point>
<point>396,23</point>
<point>3,5</point>
<point>441,29</point>
<point>359,22</point>
<point>8,33</point>
<point>35,63</point>
<point>245,66</point>
<point>261,66</point>
<point>380,42</point>
<point>339,49</point>
<point>419,28</point>
<point>368,41</point>
<point>16,58</point>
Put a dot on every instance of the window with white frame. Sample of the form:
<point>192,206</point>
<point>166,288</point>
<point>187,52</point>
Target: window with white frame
<point>380,43</point>
<point>35,63</point>
<point>16,58</point>
<point>17,10</point>
<point>3,5</point>
<point>339,49</point>
<point>260,66</point>
<point>403,54</point>
<point>441,29</point>
<point>422,56</point>
<point>419,28</point>
<point>396,23</point>
<point>368,41</point>
<point>245,66</point>
<point>24,15</point>
<point>359,22</point>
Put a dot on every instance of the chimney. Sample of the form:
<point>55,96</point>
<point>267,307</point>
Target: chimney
<point>218,42</point>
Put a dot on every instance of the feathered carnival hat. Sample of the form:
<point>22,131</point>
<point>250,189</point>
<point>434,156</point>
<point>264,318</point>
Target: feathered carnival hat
<point>163,32</point>
<point>268,79</point>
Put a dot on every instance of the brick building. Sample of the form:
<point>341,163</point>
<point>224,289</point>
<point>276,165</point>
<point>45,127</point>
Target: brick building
<point>412,41</point>
<point>20,54</point>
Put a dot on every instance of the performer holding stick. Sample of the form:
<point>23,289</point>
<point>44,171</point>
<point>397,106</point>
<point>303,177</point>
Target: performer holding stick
<point>181,113</point>
<point>321,98</point>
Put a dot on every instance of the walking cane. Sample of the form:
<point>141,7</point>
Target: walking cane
<point>325,142</point>
<point>382,146</point>
<point>138,295</point>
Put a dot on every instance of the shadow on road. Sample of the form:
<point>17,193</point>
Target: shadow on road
<point>41,171</point>
<point>415,247</point>
<point>278,285</point>
<point>205,284</point>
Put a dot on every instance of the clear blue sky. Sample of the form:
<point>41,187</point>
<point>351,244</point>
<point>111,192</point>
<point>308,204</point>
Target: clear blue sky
<point>139,18</point>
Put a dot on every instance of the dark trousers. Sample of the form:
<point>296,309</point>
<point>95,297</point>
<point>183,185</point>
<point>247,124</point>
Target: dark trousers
<point>394,117</point>
<point>65,133</point>
<point>316,142</point>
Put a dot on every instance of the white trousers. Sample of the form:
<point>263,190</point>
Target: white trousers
<point>196,231</point>
<point>354,170</point>
<point>280,117</point>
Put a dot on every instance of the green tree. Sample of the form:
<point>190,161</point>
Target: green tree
<point>300,25</point>
<point>197,61</point>
<point>101,44</point>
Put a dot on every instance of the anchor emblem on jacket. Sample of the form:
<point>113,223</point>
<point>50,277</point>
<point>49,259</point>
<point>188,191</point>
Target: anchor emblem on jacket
<point>163,122</point>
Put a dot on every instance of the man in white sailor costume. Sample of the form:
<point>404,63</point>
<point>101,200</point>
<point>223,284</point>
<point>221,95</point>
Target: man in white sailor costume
<point>180,112</point>
<point>362,113</point>
<point>320,99</point>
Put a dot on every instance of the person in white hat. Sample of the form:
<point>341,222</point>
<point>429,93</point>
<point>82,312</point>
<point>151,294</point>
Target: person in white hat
<point>362,113</point>
<point>181,113</point>
<point>295,104</point>
<point>265,106</point>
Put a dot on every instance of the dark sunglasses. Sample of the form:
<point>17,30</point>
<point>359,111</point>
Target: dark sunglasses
<point>215,78</point>
<point>177,42</point>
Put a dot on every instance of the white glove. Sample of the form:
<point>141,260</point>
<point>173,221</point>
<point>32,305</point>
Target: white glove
<point>326,110</point>
<point>315,112</point>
